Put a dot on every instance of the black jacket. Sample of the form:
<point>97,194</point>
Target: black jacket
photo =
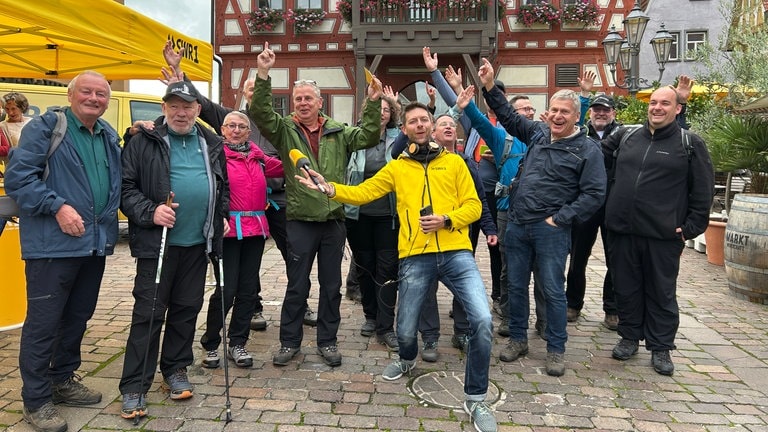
<point>147,183</point>
<point>564,179</point>
<point>658,187</point>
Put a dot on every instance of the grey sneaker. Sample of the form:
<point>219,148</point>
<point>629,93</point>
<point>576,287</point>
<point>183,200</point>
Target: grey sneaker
<point>480,415</point>
<point>397,368</point>
<point>662,362</point>
<point>258,322</point>
<point>211,360</point>
<point>331,355</point>
<point>178,384</point>
<point>429,352</point>
<point>285,355</point>
<point>389,339</point>
<point>45,419</point>
<point>555,364</point>
<point>134,404</point>
<point>368,328</point>
<point>513,350</point>
<point>310,318</point>
<point>625,349</point>
<point>460,341</point>
<point>72,392</point>
<point>240,356</point>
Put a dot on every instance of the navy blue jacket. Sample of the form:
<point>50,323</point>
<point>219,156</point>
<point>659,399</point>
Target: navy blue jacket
<point>564,179</point>
<point>67,183</point>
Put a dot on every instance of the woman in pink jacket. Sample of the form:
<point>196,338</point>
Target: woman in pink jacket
<point>247,169</point>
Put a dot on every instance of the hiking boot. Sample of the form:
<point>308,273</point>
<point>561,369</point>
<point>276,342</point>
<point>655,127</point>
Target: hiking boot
<point>211,360</point>
<point>134,404</point>
<point>503,329</point>
<point>480,415</point>
<point>178,384</point>
<point>258,322</point>
<point>662,362</point>
<point>460,341</point>
<point>555,364</point>
<point>625,349</point>
<point>397,368</point>
<point>513,350</point>
<point>240,356</point>
<point>331,355</point>
<point>72,392</point>
<point>368,328</point>
<point>285,355</point>
<point>45,419</point>
<point>429,352</point>
<point>541,329</point>
<point>310,318</point>
<point>389,339</point>
<point>611,322</point>
<point>572,315</point>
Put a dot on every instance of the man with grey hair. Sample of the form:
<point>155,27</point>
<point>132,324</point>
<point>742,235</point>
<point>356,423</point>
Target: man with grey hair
<point>561,181</point>
<point>68,226</point>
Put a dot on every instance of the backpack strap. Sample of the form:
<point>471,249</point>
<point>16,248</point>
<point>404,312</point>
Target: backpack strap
<point>56,137</point>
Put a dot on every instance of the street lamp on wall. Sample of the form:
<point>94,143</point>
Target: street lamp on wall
<point>626,51</point>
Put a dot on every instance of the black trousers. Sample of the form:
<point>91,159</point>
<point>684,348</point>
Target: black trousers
<point>583,238</point>
<point>305,240</point>
<point>373,240</point>
<point>645,273</point>
<point>494,252</point>
<point>61,297</point>
<point>179,300</point>
<point>242,263</point>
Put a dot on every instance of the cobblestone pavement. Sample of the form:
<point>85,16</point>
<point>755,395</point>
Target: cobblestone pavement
<point>720,382</point>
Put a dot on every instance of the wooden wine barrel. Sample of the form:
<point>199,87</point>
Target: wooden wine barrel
<point>746,248</point>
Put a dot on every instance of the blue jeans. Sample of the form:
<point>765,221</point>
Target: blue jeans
<point>549,247</point>
<point>458,271</point>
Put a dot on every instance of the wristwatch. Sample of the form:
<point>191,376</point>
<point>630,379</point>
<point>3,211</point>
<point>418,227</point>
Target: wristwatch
<point>447,222</point>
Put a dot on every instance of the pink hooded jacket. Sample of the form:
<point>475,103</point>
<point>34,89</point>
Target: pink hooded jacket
<point>248,190</point>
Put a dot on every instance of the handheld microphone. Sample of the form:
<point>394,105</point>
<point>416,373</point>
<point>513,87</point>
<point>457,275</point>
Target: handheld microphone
<point>302,162</point>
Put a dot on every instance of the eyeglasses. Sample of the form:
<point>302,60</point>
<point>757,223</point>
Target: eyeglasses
<point>526,109</point>
<point>233,126</point>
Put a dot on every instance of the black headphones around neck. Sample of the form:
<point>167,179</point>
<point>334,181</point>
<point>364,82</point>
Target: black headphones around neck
<point>424,153</point>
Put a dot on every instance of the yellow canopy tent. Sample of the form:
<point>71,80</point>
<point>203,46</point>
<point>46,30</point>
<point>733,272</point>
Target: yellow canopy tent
<point>719,91</point>
<point>61,38</point>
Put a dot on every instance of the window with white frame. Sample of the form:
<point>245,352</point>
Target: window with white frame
<point>674,51</point>
<point>309,4</point>
<point>693,41</point>
<point>271,4</point>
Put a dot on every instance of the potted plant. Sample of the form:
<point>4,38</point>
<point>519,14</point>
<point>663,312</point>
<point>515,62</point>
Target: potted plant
<point>304,20</point>
<point>583,12</point>
<point>345,9</point>
<point>264,19</point>
<point>541,12</point>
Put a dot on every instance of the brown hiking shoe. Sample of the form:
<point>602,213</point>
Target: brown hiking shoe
<point>611,322</point>
<point>45,419</point>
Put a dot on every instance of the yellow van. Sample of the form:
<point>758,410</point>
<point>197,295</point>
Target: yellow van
<point>124,108</point>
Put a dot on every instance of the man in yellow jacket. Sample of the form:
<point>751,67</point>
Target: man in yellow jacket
<point>436,203</point>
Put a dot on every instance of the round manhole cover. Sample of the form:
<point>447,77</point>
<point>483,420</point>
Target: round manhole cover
<point>446,389</point>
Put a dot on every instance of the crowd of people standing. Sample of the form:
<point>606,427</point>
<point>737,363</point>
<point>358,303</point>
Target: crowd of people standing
<point>396,187</point>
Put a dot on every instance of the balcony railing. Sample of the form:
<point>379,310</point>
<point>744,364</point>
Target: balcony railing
<point>415,13</point>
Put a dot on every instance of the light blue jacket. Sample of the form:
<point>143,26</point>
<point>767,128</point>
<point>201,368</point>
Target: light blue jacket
<point>356,173</point>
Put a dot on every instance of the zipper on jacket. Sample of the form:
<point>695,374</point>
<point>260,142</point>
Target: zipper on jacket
<point>637,179</point>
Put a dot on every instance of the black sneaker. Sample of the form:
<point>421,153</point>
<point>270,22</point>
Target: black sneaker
<point>368,328</point>
<point>134,404</point>
<point>503,329</point>
<point>331,355</point>
<point>178,384</point>
<point>45,419</point>
<point>460,341</point>
<point>72,392</point>
<point>389,339</point>
<point>625,349</point>
<point>662,362</point>
<point>285,355</point>
<point>258,322</point>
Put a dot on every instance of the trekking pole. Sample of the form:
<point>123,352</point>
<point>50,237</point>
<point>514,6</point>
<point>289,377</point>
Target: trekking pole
<point>138,413</point>
<point>220,287</point>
